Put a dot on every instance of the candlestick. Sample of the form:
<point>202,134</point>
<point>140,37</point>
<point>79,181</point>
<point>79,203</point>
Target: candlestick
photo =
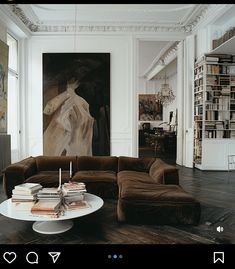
<point>59,178</point>
<point>70,170</point>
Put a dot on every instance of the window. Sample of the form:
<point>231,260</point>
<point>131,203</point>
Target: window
<point>13,97</point>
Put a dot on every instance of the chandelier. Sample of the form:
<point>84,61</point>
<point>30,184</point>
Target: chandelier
<point>165,95</point>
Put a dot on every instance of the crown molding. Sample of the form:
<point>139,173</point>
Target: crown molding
<point>163,60</point>
<point>37,27</point>
<point>26,21</point>
<point>209,15</point>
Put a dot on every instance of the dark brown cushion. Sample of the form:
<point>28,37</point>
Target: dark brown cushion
<point>49,178</point>
<point>164,173</point>
<point>152,192</point>
<point>133,176</point>
<point>101,183</point>
<point>156,203</point>
<point>95,176</point>
<point>135,164</point>
<point>53,163</point>
<point>85,163</point>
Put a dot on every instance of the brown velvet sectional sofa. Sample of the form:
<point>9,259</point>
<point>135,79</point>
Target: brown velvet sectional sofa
<point>147,189</point>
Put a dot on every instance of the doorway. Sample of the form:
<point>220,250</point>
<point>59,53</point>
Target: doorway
<point>157,111</point>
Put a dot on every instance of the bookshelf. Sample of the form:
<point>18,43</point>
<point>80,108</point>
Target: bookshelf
<point>214,111</point>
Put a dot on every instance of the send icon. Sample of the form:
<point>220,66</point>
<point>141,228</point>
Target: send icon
<point>54,256</point>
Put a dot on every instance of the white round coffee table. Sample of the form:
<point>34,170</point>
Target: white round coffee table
<point>48,225</point>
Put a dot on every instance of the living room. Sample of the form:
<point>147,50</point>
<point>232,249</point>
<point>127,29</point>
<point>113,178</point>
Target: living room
<point>135,50</point>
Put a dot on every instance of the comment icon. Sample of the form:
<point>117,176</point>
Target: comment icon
<point>32,257</point>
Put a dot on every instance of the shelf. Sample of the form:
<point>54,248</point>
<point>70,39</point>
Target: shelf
<point>226,48</point>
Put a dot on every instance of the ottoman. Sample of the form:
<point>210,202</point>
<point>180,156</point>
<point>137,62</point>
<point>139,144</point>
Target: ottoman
<point>153,203</point>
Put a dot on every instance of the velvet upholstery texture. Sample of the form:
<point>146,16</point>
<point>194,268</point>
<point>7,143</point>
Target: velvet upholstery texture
<point>146,188</point>
<point>135,164</point>
<point>53,163</point>
<point>49,178</point>
<point>103,163</point>
<point>101,183</point>
<point>156,203</point>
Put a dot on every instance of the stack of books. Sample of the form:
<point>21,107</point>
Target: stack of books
<point>26,192</point>
<point>49,202</point>
<point>49,194</point>
<point>73,193</point>
<point>43,207</point>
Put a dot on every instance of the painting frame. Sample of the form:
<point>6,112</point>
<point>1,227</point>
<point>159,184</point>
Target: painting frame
<point>150,109</point>
<point>4,58</point>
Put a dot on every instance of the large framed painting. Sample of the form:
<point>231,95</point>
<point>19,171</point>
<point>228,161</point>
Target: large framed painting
<point>150,109</point>
<point>3,86</point>
<point>76,104</point>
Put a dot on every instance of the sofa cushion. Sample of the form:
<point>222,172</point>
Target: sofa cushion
<point>164,173</point>
<point>156,203</point>
<point>135,164</point>
<point>134,176</point>
<point>152,192</point>
<point>49,178</point>
<point>53,163</point>
<point>95,176</point>
<point>87,163</point>
<point>101,183</point>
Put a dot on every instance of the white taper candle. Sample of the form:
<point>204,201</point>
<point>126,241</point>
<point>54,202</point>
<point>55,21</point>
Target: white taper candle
<point>70,170</point>
<point>59,177</point>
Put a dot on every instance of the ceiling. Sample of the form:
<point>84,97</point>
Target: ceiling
<point>44,16</point>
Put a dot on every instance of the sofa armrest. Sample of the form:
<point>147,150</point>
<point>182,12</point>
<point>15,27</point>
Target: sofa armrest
<point>17,173</point>
<point>135,164</point>
<point>164,173</point>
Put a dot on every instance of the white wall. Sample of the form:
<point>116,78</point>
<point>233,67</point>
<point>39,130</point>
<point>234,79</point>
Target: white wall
<point>3,33</point>
<point>148,50</point>
<point>121,90</point>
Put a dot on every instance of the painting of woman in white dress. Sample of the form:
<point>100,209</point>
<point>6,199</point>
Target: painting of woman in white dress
<point>76,100</point>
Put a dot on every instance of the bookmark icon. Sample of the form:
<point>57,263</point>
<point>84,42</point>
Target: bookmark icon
<point>54,256</point>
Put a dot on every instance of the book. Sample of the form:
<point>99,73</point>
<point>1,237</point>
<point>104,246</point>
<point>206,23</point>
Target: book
<point>49,191</point>
<point>22,206</point>
<point>73,186</point>
<point>76,205</point>
<point>51,206</point>
<point>25,192</point>
<point>21,196</point>
<point>28,186</point>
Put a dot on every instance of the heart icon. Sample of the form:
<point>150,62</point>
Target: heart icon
<point>9,256</point>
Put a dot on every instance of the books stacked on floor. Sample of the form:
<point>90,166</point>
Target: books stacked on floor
<point>26,192</point>
<point>49,202</point>
<point>73,193</point>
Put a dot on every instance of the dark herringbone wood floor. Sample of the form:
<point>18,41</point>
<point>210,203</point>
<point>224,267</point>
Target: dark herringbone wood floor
<point>215,191</point>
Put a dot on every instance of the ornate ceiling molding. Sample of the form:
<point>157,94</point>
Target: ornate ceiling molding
<point>164,59</point>
<point>20,14</point>
<point>105,27</point>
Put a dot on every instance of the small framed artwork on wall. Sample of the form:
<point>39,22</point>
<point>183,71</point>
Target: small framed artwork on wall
<point>150,109</point>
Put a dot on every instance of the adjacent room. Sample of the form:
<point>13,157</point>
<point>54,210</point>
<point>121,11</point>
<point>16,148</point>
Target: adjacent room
<point>117,124</point>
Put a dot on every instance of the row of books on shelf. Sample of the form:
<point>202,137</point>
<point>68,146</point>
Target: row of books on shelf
<point>220,69</point>
<point>218,88</point>
<point>218,80</point>
<point>219,134</point>
<point>49,201</point>
<point>216,115</point>
<point>216,58</point>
